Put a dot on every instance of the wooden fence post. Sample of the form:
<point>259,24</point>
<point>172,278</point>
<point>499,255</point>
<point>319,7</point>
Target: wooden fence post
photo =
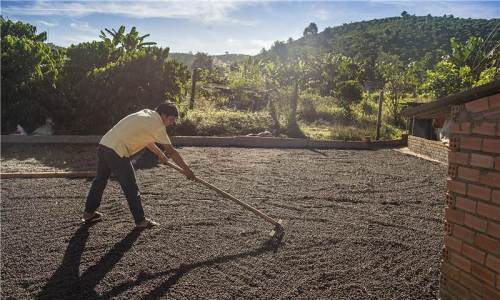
<point>194,78</point>
<point>379,116</point>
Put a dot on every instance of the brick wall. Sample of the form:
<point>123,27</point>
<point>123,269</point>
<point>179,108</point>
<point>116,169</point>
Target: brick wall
<point>470,266</point>
<point>433,149</point>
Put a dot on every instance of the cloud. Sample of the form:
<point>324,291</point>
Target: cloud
<point>251,46</point>
<point>322,14</point>
<point>82,26</point>
<point>66,40</point>
<point>47,23</point>
<point>205,11</point>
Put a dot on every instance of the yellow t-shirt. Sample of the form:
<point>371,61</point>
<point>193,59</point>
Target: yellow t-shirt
<point>136,131</point>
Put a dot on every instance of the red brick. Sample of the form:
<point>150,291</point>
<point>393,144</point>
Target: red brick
<point>489,211</point>
<point>459,158</point>
<point>474,295</point>
<point>460,262</point>
<point>453,243</point>
<point>482,161</point>
<point>454,144</point>
<point>486,243</point>
<point>494,229</point>
<point>468,174</point>
<point>479,192</point>
<point>490,293</point>
<point>477,105</point>
<point>463,233</point>
<point>456,186</point>
<point>473,253</point>
<point>444,294</point>
<point>457,288</point>
<point>490,145</point>
<point>471,283</point>
<point>483,274</point>
<point>497,163</point>
<point>475,223</point>
<point>449,200</point>
<point>494,101</point>
<point>471,143</point>
<point>465,204</point>
<point>454,216</point>
<point>448,228</point>
<point>452,171</point>
<point>490,178</point>
<point>492,114</point>
<point>461,128</point>
<point>493,263</point>
<point>485,128</point>
<point>495,196</point>
<point>450,270</point>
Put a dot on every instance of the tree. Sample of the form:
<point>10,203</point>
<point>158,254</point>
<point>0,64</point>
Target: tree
<point>29,71</point>
<point>133,41</point>
<point>115,38</point>
<point>348,92</point>
<point>75,85</point>
<point>392,72</point>
<point>468,64</point>
<point>138,79</point>
<point>447,79</point>
<point>327,70</point>
<point>21,30</point>
<point>312,29</point>
<point>202,61</point>
<point>288,75</point>
<point>127,42</point>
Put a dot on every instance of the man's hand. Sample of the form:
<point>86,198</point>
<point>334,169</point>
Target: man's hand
<point>189,174</point>
<point>163,159</point>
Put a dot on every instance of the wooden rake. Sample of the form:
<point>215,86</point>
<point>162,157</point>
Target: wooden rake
<point>278,230</point>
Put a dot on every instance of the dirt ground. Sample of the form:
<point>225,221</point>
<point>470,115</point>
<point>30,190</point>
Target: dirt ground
<point>359,225</point>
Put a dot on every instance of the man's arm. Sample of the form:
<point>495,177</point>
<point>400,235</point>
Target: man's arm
<point>176,157</point>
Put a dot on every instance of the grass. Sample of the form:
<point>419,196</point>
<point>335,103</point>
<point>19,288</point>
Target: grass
<point>319,118</point>
<point>210,122</point>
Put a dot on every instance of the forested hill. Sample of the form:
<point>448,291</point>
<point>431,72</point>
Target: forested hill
<point>409,37</point>
<point>189,58</point>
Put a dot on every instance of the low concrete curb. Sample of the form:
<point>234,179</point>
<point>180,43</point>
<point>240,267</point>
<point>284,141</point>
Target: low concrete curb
<point>209,141</point>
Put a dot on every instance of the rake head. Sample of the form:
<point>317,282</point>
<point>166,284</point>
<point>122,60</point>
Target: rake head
<point>279,231</point>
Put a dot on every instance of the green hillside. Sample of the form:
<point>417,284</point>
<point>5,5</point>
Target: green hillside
<point>409,37</point>
<point>188,58</point>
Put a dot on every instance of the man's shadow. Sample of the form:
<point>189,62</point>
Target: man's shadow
<point>173,275</point>
<point>67,283</point>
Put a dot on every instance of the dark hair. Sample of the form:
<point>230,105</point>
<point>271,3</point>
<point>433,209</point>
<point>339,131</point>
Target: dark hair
<point>168,108</point>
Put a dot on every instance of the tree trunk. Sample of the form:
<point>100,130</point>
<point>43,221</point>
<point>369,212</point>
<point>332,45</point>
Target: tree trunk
<point>274,116</point>
<point>194,77</point>
<point>293,129</point>
<point>292,120</point>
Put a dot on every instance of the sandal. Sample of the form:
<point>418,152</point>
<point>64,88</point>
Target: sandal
<point>146,224</point>
<point>96,217</point>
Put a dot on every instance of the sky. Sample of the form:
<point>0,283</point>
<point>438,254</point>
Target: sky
<point>217,27</point>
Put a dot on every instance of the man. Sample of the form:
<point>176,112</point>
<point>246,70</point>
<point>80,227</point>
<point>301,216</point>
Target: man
<point>130,135</point>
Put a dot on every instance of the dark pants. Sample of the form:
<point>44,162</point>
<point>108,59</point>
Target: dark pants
<point>108,161</point>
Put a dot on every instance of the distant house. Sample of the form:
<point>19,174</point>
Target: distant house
<point>431,123</point>
<point>470,261</point>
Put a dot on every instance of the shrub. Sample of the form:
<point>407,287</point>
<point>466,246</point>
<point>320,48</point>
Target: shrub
<point>223,123</point>
<point>29,70</point>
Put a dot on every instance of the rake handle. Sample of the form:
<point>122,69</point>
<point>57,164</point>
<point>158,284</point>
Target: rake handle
<point>231,197</point>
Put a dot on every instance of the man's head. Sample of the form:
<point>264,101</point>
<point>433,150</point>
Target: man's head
<point>168,112</point>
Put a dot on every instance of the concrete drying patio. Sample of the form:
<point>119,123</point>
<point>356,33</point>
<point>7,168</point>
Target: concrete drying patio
<point>360,225</point>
